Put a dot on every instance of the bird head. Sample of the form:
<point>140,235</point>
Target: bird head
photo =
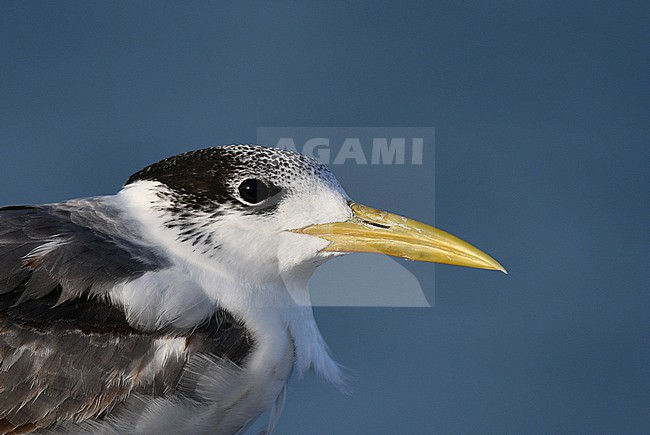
<point>268,213</point>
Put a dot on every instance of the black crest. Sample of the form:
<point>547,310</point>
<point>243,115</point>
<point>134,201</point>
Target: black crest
<point>201,178</point>
<point>202,174</point>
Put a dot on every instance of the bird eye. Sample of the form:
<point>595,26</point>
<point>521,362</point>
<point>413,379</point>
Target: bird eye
<point>253,191</point>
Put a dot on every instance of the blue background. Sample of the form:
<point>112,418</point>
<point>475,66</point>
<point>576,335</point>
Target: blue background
<point>542,158</point>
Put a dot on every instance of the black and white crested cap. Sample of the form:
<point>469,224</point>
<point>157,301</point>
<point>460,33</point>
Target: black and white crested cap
<point>216,174</point>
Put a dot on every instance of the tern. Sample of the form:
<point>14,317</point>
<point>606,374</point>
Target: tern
<point>180,304</point>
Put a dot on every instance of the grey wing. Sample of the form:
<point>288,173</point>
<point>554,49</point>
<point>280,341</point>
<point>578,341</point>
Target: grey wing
<point>83,246</point>
<point>66,355</point>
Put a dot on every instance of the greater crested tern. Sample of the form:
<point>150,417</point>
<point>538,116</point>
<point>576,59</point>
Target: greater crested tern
<point>180,304</point>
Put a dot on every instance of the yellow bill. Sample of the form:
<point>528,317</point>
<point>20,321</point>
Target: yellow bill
<point>372,230</point>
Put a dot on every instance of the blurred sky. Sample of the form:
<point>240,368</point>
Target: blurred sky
<point>542,158</point>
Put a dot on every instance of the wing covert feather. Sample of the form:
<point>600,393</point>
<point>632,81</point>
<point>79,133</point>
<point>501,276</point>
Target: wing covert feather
<point>66,354</point>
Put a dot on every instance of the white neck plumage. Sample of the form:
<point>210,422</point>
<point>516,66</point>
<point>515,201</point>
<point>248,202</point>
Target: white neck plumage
<point>273,304</point>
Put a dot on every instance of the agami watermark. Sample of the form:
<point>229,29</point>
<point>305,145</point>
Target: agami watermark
<point>357,145</point>
<point>379,281</point>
